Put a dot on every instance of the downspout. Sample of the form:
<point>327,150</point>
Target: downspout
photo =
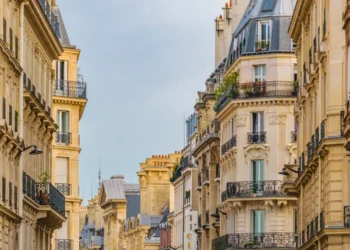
<point>21,128</point>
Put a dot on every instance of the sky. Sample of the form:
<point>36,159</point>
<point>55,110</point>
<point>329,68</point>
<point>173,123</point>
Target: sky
<point>144,62</point>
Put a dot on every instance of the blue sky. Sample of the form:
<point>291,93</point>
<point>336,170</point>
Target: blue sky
<point>143,61</point>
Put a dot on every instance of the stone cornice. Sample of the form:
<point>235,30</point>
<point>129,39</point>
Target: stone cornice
<point>300,12</point>
<point>11,57</point>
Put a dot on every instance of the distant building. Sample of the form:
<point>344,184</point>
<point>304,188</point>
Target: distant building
<point>117,199</point>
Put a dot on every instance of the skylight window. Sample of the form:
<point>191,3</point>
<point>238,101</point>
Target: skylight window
<point>268,5</point>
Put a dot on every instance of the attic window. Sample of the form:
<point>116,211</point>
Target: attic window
<point>268,5</point>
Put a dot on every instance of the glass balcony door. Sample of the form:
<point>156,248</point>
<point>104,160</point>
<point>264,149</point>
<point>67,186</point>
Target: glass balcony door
<point>258,177</point>
<point>258,227</point>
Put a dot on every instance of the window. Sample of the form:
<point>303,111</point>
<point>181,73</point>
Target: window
<point>260,73</point>
<point>63,121</point>
<point>324,22</point>
<point>61,70</point>
<point>3,108</point>
<point>268,5</point>
<point>11,40</point>
<point>3,189</point>
<point>16,47</point>
<point>263,36</point>
<point>15,197</point>
<point>258,122</point>
<point>10,194</point>
<point>258,222</point>
<point>10,115</point>
<point>4,30</point>
<point>16,121</point>
<point>258,176</point>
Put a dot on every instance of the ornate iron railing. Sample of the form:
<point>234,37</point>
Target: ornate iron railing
<point>217,171</point>
<point>228,145</point>
<point>293,136</point>
<point>63,244</point>
<point>63,137</point>
<point>50,16</point>
<point>28,186</point>
<point>70,89</point>
<point>317,137</point>
<point>346,216</point>
<point>223,196</point>
<point>258,90</point>
<point>64,188</point>
<point>47,194</point>
<point>256,137</point>
<point>255,240</point>
<point>309,151</point>
<point>254,188</point>
<point>262,46</point>
<point>207,217</point>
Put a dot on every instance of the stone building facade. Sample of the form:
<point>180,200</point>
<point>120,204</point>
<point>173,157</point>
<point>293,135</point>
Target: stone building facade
<point>321,185</point>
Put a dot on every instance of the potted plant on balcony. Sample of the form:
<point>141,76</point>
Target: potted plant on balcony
<point>252,244</point>
<point>258,46</point>
<point>295,88</point>
<point>43,195</point>
<point>247,89</point>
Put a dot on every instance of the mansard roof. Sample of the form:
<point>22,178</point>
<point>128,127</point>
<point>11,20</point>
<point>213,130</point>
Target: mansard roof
<point>246,39</point>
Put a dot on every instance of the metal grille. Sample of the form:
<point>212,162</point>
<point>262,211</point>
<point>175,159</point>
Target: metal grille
<point>256,137</point>
<point>47,194</point>
<point>63,244</point>
<point>255,240</point>
<point>254,188</point>
<point>346,216</point>
<point>228,145</point>
<point>63,137</point>
<point>64,188</point>
<point>70,89</point>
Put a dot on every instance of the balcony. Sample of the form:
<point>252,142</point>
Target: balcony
<point>228,145</point>
<point>72,89</point>
<point>255,240</point>
<point>51,18</point>
<point>47,194</point>
<point>64,188</point>
<point>256,137</point>
<point>262,46</point>
<point>63,244</point>
<point>246,189</point>
<point>28,186</point>
<point>63,137</point>
<point>223,196</point>
<point>346,216</point>
<point>252,90</point>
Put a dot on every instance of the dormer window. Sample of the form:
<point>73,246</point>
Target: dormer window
<point>263,36</point>
<point>268,5</point>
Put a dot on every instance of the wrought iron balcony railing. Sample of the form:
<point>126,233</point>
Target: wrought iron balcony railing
<point>207,217</point>
<point>28,186</point>
<point>50,16</point>
<point>255,240</point>
<point>254,189</point>
<point>346,216</point>
<point>228,145</point>
<point>256,137</point>
<point>262,46</point>
<point>47,194</point>
<point>63,137</point>
<point>70,89</point>
<point>258,89</point>
<point>64,244</point>
<point>64,188</point>
<point>294,136</point>
<point>223,196</point>
<point>323,125</point>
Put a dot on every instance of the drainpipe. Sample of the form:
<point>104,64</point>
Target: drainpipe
<point>21,128</point>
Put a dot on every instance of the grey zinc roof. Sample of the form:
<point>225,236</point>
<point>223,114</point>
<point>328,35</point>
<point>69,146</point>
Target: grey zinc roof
<point>114,189</point>
<point>96,240</point>
<point>64,39</point>
<point>254,10</point>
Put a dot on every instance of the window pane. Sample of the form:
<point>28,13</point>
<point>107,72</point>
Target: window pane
<point>268,5</point>
<point>264,32</point>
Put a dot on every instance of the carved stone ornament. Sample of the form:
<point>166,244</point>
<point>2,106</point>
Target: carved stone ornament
<point>241,120</point>
<point>256,152</point>
<point>278,119</point>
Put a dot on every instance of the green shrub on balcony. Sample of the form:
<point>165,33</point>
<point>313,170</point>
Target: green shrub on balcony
<point>228,81</point>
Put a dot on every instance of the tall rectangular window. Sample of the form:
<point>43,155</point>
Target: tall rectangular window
<point>324,22</point>
<point>4,30</point>
<point>257,122</point>
<point>258,176</point>
<point>10,194</point>
<point>11,40</point>
<point>16,47</point>
<point>63,121</point>
<point>10,115</point>
<point>258,222</point>
<point>3,108</point>
<point>260,73</point>
<point>3,189</point>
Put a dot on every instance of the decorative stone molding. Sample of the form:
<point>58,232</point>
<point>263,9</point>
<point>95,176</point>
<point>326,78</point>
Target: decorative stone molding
<point>256,152</point>
<point>241,120</point>
<point>292,151</point>
<point>278,119</point>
